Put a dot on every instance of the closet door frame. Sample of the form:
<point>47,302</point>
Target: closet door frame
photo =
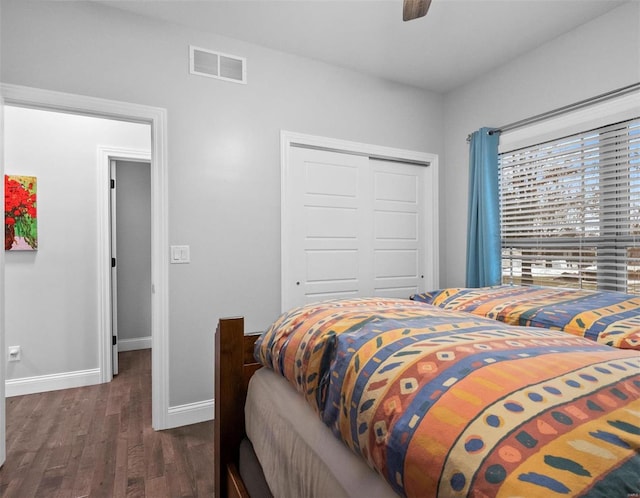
<point>288,140</point>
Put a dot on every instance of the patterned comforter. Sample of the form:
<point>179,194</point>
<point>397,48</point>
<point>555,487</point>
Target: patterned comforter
<point>449,404</point>
<point>607,317</point>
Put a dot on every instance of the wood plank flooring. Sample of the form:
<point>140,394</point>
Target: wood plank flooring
<point>97,441</point>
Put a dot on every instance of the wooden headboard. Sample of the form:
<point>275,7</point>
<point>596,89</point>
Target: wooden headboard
<point>234,366</point>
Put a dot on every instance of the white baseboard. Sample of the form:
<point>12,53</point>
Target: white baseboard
<point>52,382</point>
<point>191,413</point>
<point>177,416</point>
<point>134,344</point>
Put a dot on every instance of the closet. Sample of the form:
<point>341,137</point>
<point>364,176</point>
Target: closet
<point>355,225</point>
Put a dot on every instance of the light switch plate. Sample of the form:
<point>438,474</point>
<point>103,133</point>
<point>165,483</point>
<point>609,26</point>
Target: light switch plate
<point>180,255</point>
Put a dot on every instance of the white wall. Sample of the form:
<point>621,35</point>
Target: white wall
<point>133,238</point>
<point>51,298</point>
<point>223,142</point>
<point>597,57</point>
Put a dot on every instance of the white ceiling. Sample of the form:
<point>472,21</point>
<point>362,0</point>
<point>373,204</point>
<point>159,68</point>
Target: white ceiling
<point>456,42</point>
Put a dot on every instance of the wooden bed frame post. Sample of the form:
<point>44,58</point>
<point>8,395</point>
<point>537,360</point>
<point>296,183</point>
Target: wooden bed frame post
<point>228,415</point>
<point>234,365</point>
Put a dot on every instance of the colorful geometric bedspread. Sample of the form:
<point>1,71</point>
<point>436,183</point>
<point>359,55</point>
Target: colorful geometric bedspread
<point>610,318</point>
<point>448,404</point>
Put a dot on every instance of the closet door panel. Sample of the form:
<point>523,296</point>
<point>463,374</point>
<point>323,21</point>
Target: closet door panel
<point>328,234</point>
<point>398,208</point>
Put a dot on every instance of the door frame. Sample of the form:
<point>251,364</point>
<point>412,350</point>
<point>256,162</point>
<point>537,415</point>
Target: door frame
<point>105,156</point>
<point>3,412</point>
<point>157,117</point>
<point>113,243</point>
<point>289,139</point>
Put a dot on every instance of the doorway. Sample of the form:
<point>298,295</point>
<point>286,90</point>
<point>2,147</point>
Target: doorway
<point>157,119</point>
<point>130,188</point>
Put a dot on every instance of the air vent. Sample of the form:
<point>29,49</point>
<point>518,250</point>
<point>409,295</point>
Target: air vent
<point>217,65</point>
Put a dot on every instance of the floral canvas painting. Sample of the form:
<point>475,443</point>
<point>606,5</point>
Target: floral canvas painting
<point>20,213</point>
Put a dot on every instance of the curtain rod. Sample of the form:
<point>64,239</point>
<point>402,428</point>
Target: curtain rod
<point>564,109</point>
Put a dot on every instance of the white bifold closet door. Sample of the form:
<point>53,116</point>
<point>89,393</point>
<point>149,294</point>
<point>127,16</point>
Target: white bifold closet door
<point>356,227</point>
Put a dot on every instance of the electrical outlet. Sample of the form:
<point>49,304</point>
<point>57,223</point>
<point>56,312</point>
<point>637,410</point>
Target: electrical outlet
<point>15,353</point>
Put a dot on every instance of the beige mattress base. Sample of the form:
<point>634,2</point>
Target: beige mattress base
<point>299,455</point>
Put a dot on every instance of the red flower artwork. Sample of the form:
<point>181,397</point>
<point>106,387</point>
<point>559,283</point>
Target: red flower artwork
<point>20,213</point>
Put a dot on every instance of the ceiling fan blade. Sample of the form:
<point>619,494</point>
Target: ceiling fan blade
<point>412,9</point>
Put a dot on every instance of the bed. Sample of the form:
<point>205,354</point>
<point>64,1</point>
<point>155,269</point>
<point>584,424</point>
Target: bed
<point>438,402</point>
<point>331,469</point>
<point>610,318</point>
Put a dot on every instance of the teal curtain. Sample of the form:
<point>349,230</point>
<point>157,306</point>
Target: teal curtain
<point>483,225</point>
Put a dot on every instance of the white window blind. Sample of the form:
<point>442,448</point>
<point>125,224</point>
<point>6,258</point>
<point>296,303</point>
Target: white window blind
<point>570,211</point>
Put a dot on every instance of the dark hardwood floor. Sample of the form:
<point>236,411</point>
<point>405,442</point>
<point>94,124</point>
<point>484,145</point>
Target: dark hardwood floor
<point>97,441</point>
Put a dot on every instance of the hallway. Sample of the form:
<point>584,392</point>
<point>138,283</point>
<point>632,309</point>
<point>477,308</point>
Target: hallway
<point>97,441</point>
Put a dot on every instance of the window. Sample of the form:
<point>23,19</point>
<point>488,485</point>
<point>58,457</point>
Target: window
<point>570,211</point>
